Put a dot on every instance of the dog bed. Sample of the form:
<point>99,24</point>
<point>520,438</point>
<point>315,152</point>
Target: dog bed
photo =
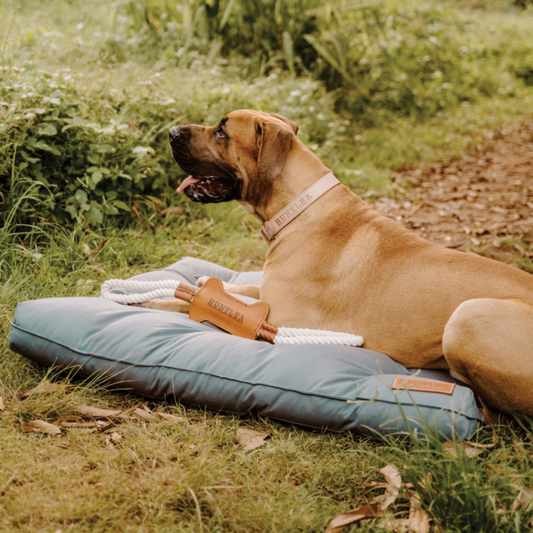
<point>163,355</point>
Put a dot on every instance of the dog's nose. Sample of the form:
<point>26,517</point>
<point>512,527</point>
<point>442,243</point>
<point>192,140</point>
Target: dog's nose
<point>175,132</point>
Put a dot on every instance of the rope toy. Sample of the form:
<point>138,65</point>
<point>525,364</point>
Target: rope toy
<point>224,311</point>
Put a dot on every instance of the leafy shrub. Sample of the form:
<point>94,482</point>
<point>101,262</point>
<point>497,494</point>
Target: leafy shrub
<point>87,158</point>
<point>75,157</point>
<point>397,57</point>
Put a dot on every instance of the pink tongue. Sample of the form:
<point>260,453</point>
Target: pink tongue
<point>185,183</point>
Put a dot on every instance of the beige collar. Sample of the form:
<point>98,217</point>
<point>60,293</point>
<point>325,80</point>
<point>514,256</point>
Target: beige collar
<point>299,204</point>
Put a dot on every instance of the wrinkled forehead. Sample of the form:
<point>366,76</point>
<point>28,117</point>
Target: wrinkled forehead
<point>244,121</point>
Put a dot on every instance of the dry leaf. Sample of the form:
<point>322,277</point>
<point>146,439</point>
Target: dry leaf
<point>477,445</point>
<point>45,387</point>
<point>87,252</point>
<point>452,449</point>
<point>144,416</point>
<point>374,485</point>
<point>176,210</point>
<point>2,406</point>
<point>395,524</point>
<point>94,412</point>
<point>418,519</point>
<point>112,439</point>
<point>77,424</point>
<point>42,427</point>
<point>170,418</point>
<point>250,439</point>
<point>96,268</point>
<point>345,519</point>
<point>394,480</point>
<point>524,498</point>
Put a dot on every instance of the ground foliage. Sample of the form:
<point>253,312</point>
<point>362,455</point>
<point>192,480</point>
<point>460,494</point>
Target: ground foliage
<point>483,200</point>
<point>86,178</point>
<point>74,155</point>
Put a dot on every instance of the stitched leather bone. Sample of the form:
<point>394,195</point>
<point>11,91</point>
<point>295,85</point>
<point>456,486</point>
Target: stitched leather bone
<point>211,303</point>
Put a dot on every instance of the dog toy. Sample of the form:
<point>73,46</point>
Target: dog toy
<point>211,303</point>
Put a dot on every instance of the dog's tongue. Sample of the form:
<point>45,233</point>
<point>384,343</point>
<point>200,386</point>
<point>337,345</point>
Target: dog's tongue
<point>185,183</point>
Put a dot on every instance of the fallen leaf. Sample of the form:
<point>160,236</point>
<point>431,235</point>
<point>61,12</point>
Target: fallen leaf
<point>477,445</point>
<point>144,416</point>
<point>80,424</point>
<point>108,443</point>
<point>524,498</point>
<point>76,423</point>
<point>394,480</point>
<point>345,519</point>
<point>374,485</point>
<point>395,524</point>
<point>170,418</point>
<point>111,439</point>
<point>500,471</point>
<point>42,427</point>
<point>176,210</point>
<point>87,252</point>
<point>96,268</point>
<point>95,412</point>
<point>418,519</point>
<point>2,406</point>
<point>250,439</point>
<point>452,449</point>
<point>45,387</point>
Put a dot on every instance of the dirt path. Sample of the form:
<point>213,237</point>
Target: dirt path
<point>474,201</point>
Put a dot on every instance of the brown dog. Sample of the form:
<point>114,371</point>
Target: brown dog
<point>341,266</point>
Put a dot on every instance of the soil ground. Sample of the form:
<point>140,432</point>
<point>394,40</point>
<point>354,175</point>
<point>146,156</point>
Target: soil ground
<point>481,202</point>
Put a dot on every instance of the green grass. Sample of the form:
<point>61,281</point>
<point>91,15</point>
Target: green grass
<point>193,476</point>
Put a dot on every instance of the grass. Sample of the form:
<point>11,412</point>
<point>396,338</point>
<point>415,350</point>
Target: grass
<point>193,476</point>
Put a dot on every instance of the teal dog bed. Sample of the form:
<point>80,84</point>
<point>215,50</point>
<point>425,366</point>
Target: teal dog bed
<point>164,355</point>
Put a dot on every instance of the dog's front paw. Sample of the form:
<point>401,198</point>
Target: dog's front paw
<point>200,280</point>
<point>176,305</point>
<point>149,304</point>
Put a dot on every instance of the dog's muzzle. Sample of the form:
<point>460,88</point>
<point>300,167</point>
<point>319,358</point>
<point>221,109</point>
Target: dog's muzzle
<point>207,183</point>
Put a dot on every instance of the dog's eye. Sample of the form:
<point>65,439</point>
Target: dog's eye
<point>220,134</point>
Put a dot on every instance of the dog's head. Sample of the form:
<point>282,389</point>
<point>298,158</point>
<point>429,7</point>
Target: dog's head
<point>235,160</point>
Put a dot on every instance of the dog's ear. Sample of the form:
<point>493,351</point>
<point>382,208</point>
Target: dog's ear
<point>274,143</point>
<point>294,127</point>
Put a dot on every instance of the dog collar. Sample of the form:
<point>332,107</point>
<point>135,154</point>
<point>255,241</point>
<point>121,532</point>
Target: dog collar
<point>297,206</point>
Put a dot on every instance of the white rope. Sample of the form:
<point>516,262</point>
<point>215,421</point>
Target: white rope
<point>316,336</point>
<point>159,289</point>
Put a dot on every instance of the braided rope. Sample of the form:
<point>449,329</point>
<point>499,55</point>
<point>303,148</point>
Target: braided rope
<point>159,289</point>
<point>316,336</point>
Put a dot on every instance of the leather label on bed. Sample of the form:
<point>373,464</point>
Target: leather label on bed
<point>212,304</point>
<point>423,385</point>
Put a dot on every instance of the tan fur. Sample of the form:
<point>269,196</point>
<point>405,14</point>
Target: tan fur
<point>342,266</point>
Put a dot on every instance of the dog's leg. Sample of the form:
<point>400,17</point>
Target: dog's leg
<point>180,306</point>
<point>177,306</point>
<point>253,291</point>
<point>489,343</point>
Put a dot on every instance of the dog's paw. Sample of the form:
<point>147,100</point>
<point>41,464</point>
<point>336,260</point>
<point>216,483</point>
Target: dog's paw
<point>200,280</point>
<point>149,304</point>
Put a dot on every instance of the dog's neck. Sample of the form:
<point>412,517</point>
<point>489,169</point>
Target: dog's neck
<point>301,170</point>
